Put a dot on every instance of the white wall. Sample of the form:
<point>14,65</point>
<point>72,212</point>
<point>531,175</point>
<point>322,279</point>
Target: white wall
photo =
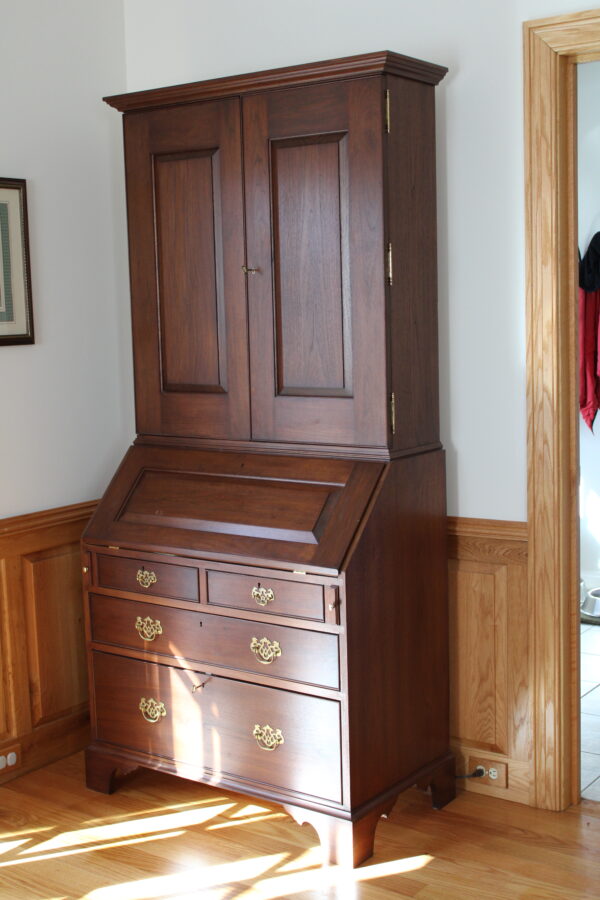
<point>480,176</point>
<point>69,417</point>
<point>66,401</point>
<point>588,147</point>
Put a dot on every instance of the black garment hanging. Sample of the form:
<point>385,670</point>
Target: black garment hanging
<point>589,266</point>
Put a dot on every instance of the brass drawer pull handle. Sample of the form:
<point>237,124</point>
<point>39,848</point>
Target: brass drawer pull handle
<point>262,595</point>
<point>266,651</point>
<point>267,738</point>
<point>148,628</point>
<point>145,578</point>
<point>152,710</point>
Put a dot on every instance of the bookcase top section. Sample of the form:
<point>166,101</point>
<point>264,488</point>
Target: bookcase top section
<point>378,63</point>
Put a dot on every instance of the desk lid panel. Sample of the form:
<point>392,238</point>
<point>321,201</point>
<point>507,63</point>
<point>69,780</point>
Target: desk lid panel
<point>243,506</point>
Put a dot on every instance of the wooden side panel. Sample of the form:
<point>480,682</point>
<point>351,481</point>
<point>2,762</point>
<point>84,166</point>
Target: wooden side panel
<point>412,233</point>
<point>491,659</point>
<point>397,630</point>
<point>43,680</point>
<point>55,638</point>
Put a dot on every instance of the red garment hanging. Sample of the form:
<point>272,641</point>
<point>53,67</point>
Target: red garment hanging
<point>589,355</point>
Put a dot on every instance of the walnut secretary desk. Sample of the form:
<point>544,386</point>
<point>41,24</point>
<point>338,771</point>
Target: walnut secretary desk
<point>265,577</point>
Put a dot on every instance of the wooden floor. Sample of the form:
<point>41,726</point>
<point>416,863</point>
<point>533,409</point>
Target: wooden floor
<point>162,837</point>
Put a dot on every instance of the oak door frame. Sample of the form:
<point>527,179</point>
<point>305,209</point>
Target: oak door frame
<point>553,47</point>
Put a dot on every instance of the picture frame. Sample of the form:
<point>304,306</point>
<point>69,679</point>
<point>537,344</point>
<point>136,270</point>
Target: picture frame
<point>16,308</point>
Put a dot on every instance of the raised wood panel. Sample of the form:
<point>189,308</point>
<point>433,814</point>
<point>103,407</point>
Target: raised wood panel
<point>42,670</point>
<point>4,667</point>
<point>271,508</point>
<point>310,249</point>
<point>190,266</point>
<point>14,665</point>
<point>491,687</point>
<point>55,635</point>
<point>478,655</point>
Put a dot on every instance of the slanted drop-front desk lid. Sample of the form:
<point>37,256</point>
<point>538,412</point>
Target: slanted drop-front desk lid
<point>243,507</point>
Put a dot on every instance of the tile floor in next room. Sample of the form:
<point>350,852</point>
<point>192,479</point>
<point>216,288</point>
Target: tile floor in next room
<point>590,711</point>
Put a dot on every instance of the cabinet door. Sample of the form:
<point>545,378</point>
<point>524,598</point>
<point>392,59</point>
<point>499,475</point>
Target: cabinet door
<point>313,177</point>
<point>185,208</point>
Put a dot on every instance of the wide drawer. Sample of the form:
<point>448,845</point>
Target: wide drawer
<point>294,653</point>
<point>272,595</point>
<point>225,727</point>
<point>145,576</point>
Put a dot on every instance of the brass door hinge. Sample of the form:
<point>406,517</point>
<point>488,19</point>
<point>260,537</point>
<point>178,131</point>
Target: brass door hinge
<point>393,412</point>
<point>388,117</point>
<point>389,264</point>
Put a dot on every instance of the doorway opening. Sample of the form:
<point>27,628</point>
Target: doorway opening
<point>588,217</point>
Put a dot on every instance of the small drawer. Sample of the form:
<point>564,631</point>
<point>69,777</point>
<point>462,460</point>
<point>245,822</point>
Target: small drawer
<point>271,595</point>
<point>225,727</point>
<point>310,657</point>
<point>145,576</point>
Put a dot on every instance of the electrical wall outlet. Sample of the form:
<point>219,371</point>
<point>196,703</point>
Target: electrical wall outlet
<point>10,759</point>
<point>496,773</point>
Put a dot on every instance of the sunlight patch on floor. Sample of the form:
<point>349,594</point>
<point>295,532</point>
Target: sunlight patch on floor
<point>343,879</point>
<point>7,846</point>
<point>133,827</point>
<point>58,854</point>
<point>249,809</point>
<point>178,885</point>
<point>28,831</point>
<point>237,822</point>
<point>170,807</point>
<point>312,857</point>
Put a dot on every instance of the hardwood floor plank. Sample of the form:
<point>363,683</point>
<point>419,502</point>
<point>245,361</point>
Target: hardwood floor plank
<point>160,837</point>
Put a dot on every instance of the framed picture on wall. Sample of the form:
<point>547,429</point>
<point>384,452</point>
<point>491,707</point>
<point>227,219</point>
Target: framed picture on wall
<point>16,313</point>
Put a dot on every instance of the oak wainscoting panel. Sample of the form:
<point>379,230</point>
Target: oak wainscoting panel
<point>43,678</point>
<point>490,652</point>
